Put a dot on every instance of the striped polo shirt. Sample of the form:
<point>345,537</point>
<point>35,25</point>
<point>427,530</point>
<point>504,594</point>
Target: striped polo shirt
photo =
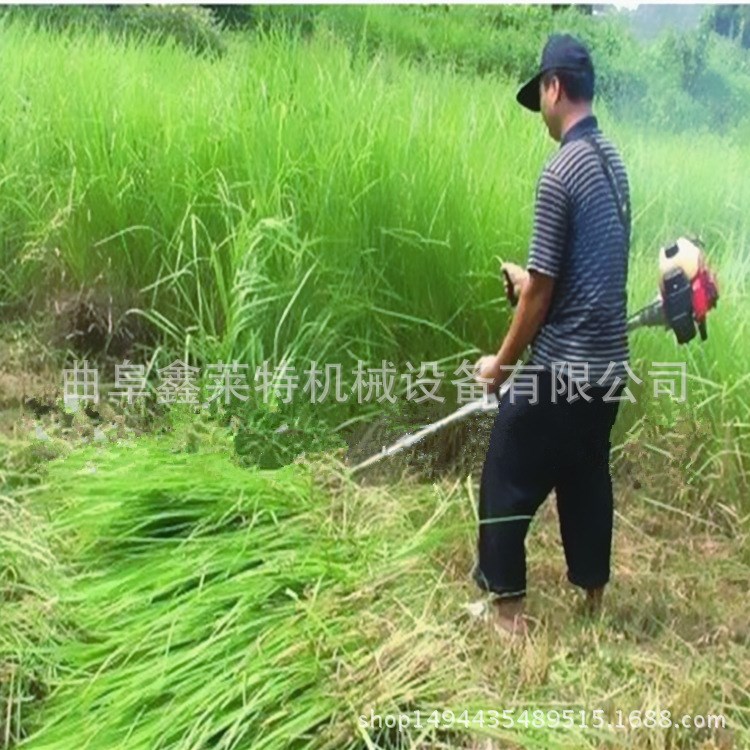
<point>579,239</point>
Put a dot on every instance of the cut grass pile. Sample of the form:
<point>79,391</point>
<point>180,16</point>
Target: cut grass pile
<point>200,605</point>
<point>244,602</point>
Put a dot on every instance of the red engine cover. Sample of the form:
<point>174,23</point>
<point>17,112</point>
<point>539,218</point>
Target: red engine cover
<point>705,293</point>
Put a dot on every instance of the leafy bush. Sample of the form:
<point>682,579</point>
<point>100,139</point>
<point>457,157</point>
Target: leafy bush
<point>190,26</point>
<point>234,16</point>
<point>684,55</point>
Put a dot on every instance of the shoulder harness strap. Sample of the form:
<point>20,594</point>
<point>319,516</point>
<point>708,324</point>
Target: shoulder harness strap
<point>623,205</point>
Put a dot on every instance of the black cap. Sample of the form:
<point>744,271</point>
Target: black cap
<point>562,52</point>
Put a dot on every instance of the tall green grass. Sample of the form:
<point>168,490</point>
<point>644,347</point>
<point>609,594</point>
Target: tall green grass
<point>295,199</point>
<point>204,183</point>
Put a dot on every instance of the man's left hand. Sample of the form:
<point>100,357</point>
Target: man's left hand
<point>488,368</point>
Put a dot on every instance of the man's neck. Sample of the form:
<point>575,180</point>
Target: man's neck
<point>572,118</point>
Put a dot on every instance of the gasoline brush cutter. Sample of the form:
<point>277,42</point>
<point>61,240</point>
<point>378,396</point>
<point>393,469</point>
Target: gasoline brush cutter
<point>687,291</point>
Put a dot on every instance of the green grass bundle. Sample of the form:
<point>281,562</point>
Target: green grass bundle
<point>225,608</point>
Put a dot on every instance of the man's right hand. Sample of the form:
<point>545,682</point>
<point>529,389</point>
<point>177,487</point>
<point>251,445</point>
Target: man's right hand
<point>514,278</point>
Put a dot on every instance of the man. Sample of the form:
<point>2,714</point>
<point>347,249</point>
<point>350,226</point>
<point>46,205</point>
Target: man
<point>572,311</point>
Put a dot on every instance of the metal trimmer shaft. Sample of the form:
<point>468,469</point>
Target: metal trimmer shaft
<point>651,315</point>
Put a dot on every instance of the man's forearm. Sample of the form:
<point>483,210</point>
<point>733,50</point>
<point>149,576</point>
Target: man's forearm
<point>524,326</point>
<point>531,312</point>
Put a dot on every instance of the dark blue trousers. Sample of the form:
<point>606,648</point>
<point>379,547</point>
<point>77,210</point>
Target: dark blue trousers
<point>533,449</point>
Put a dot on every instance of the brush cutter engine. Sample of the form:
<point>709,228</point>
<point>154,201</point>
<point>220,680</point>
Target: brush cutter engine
<point>687,291</point>
<point>688,288</point>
